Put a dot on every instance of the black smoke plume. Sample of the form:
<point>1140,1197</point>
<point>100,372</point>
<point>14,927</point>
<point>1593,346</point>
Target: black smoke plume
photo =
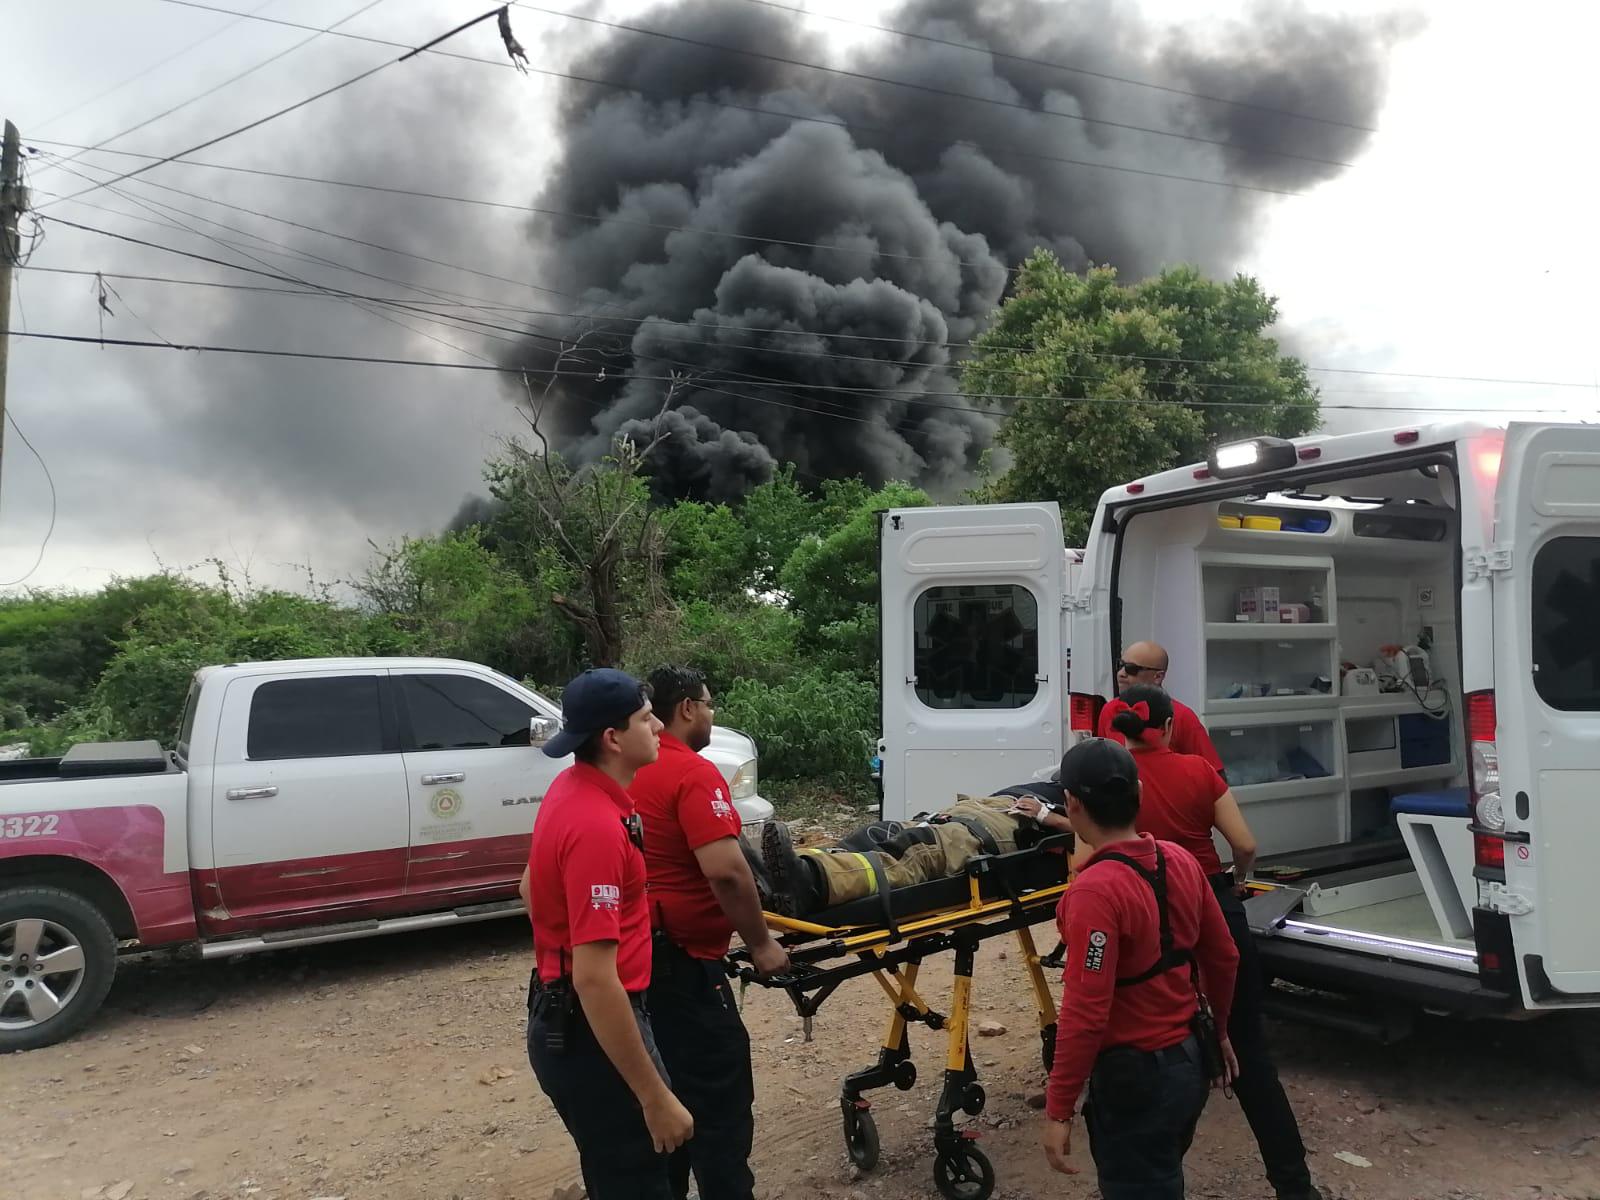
<point>856,251</point>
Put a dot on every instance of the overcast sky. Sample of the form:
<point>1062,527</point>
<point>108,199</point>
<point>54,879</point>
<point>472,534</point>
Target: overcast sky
<point>1461,243</point>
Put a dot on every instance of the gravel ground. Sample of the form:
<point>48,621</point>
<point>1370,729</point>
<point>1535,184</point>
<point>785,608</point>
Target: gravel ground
<point>395,1069</point>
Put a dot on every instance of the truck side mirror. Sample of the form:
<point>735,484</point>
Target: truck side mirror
<point>542,729</point>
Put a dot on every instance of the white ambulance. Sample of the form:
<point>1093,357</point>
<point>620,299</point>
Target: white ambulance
<point>1393,638</point>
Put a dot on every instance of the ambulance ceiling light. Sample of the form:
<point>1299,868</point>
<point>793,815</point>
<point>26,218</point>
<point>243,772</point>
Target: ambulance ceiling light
<point>1252,457</point>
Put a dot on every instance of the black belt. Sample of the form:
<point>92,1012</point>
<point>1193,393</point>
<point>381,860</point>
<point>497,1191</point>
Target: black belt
<point>559,989</point>
<point>1187,1050</point>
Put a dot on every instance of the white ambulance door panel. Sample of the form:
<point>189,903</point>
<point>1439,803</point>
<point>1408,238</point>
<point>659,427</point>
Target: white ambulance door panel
<point>973,662</point>
<point>1547,694</point>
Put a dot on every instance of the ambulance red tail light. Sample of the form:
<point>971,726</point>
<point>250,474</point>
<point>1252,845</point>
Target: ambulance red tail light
<point>1084,713</point>
<point>1483,767</point>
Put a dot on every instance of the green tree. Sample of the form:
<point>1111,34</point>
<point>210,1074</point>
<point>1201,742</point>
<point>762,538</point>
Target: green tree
<point>1120,382</point>
<point>450,596</point>
<point>832,579</point>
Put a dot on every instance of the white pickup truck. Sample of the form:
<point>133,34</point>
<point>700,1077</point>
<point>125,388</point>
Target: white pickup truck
<point>307,801</point>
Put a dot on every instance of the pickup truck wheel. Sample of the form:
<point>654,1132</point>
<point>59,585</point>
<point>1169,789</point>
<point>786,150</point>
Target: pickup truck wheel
<point>57,957</point>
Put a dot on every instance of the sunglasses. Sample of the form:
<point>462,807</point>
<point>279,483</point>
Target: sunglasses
<point>1128,668</point>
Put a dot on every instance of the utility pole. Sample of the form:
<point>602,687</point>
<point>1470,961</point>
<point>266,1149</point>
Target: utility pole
<point>10,248</point>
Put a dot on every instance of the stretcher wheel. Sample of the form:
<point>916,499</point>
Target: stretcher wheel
<point>861,1138</point>
<point>964,1174</point>
<point>905,1075</point>
<point>973,1098</point>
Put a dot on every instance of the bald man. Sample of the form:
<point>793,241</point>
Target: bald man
<point>1146,662</point>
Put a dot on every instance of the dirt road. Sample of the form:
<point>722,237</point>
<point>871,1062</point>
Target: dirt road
<point>395,1068</point>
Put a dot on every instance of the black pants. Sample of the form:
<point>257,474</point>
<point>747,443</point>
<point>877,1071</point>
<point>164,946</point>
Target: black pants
<point>707,1052</point>
<point>1258,1089</point>
<point>1141,1113</point>
<point>615,1150</point>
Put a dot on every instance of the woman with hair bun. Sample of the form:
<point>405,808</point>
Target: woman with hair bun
<point>1183,800</point>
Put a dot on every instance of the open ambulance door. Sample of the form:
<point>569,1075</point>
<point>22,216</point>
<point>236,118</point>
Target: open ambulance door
<point>973,662</point>
<point>1545,567</point>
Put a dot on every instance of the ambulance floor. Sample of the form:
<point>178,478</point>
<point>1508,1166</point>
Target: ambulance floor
<point>1406,917</point>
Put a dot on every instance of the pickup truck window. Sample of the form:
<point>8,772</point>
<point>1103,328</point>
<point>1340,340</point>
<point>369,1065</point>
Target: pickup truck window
<point>457,712</point>
<point>1566,627</point>
<point>331,717</point>
<point>977,646</point>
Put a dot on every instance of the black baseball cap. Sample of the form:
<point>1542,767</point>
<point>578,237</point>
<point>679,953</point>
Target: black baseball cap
<point>600,698</point>
<point>1099,768</point>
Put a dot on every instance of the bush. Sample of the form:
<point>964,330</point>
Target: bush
<point>813,723</point>
<point>751,641</point>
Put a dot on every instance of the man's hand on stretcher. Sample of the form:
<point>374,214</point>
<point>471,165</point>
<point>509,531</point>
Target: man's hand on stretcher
<point>770,959</point>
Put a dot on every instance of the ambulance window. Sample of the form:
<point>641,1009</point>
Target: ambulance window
<point>1566,624</point>
<point>977,646</point>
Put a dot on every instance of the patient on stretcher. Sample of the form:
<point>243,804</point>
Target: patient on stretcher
<point>888,856</point>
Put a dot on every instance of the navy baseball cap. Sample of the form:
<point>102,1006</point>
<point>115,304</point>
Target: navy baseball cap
<point>1099,767</point>
<point>600,698</point>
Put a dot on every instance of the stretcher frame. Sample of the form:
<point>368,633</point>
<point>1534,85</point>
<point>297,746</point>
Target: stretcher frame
<point>826,956</point>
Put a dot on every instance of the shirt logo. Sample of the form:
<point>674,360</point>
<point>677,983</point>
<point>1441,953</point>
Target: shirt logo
<point>721,807</point>
<point>717,792</point>
<point>1094,956</point>
<point>605,896</point>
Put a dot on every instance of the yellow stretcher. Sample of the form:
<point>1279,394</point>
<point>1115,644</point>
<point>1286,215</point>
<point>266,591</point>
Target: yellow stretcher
<point>888,937</point>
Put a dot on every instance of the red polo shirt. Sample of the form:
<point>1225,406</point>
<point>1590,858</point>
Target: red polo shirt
<point>586,878</point>
<point>685,805</point>
<point>1111,926</point>
<point>1189,735</point>
<point>1178,802</point>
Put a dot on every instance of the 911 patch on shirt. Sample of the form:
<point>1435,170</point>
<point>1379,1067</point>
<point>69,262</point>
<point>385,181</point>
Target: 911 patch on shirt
<point>1094,955</point>
<point>606,896</point>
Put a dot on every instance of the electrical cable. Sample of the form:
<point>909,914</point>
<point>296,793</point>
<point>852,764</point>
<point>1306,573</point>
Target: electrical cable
<point>853,127</point>
<point>990,52</point>
<point>299,104</point>
<point>794,386</point>
<point>211,91</point>
<point>50,479</point>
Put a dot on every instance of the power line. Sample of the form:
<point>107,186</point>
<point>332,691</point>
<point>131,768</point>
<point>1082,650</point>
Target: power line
<point>989,52</point>
<point>231,80</point>
<point>160,62</point>
<point>50,479</point>
<point>1015,149</point>
<point>253,258</point>
<point>926,89</point>
<point>538,210</point>
<point>825,334</point>
<point>344,237</point>
<point>89,339</point>
<point>299,104</point>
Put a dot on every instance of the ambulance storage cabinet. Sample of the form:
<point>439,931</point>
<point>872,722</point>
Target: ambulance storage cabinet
<point>1260,665</point>
<point>1284,769</point>
<point>1271,693</point>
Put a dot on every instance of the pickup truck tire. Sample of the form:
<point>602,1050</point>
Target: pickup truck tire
<point>57,959</point>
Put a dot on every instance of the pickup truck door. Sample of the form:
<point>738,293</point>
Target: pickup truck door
<point>308,801</point>
<point>973,662</point>
<point>474,781</point>
<point>1546,579</point>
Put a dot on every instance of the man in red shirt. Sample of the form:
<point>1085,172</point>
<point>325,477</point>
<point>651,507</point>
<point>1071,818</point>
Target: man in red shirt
<point>701,891</point>
<point>589,1036</point>
<point>1146,662</point>
<point>1143,934</point>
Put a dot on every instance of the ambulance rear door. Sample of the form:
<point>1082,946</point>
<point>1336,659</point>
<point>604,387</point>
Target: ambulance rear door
<point>973,660</point>
<point>1545,567</point>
